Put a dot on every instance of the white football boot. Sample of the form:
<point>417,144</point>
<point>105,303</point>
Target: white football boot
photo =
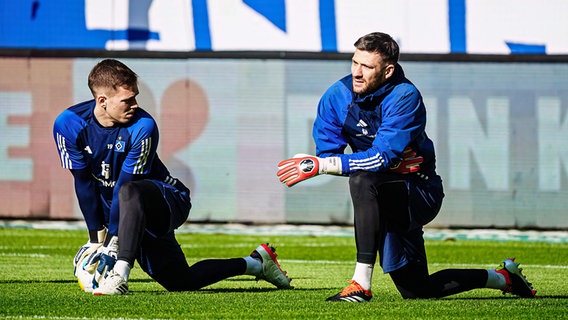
<point>113,284</point>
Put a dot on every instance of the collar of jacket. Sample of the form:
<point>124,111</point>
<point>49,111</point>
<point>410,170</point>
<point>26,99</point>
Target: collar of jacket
<point>378,95</point>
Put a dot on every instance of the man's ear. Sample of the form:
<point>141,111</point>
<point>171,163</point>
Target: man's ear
<point>389,71</point>
<point>101,101</point>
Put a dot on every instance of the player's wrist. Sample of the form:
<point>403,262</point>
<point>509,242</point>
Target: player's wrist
<point>330,165</point>
<point>110,246</point>
<point>97,236</point>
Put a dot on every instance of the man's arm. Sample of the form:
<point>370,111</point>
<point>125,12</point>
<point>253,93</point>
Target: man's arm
<point>391,150</point>
<point>137,165</point>
<point>328,125</point>
<point>89,201</point>
<point>302,166</point>
<point>403,120</point>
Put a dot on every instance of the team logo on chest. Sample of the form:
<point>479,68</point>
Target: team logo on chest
<point>119,145</point>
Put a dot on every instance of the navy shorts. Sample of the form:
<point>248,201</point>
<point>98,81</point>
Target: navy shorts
<point>159,249</point>
<point>403,244</point>
<point>390,211</point>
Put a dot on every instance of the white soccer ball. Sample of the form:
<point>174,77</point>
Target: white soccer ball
<point>84,277</point>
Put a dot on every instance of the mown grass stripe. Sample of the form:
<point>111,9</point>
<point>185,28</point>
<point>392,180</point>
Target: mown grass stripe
<point>548,236</point>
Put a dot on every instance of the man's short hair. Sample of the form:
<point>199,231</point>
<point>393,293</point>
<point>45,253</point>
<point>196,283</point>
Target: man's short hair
<point>381,43</point>
<point>111,73</point>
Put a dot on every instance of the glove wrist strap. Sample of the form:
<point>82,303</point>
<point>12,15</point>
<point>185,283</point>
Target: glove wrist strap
<point>97,236</point>
<point>111,242</point>
<point>330,165</point>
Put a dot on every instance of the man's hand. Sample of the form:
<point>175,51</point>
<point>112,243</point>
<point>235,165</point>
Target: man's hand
<point>86,250</point>
<point>410,162</point>
<point>104,260</point>
<point>81,261</point>
<point>89,247</point>
<point>303,166</point>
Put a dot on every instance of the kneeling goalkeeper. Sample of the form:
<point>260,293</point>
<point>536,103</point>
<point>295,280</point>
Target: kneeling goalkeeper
<point>393,183</point>
<point>126,194</point>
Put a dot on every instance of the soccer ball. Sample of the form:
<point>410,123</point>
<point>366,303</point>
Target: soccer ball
<point>84,277</point>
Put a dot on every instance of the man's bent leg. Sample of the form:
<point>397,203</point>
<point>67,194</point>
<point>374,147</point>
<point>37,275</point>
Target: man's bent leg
<point>163,259</point>
<point>140,202</point>
<point>413,281</point>
<point>366,214</point>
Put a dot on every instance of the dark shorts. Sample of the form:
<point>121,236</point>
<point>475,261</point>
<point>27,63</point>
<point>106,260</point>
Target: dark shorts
<point>403,205</point>
<point>178,202</point>
<point>405,243</point>
<point>159,247</point>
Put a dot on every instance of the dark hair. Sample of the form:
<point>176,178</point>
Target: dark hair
<point>111,73</point>
<point>381,43</point>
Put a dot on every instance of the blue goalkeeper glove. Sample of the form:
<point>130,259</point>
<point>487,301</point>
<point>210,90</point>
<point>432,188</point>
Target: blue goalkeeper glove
<point>103,261</point>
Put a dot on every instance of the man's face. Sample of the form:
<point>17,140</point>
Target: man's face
<point>369,71</point>
<point>119,105</point>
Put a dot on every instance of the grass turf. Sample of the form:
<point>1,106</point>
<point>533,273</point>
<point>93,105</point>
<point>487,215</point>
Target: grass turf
<point>36,281</point>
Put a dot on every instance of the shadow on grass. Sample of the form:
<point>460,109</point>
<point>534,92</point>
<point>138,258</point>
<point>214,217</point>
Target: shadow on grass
<point>220,290</point>
<point>207,290</point>
<point>538,297</point>
<point>211,291</point>
<point>29,281</point>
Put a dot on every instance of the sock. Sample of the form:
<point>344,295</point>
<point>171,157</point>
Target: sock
<point>122,268</point>
<point>254,266</point>
<point>495,280</point>
<point>363,275</point>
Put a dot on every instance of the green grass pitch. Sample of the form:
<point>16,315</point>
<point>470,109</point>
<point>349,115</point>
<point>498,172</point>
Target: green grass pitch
<point>36,281</point>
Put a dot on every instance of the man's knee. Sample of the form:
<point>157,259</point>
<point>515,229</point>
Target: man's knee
<point>128,191</point>
<point>360,183</point>
<point>176,276</point>
<point>134,198</point>
<point>139,189</point>
<point>412,281</point>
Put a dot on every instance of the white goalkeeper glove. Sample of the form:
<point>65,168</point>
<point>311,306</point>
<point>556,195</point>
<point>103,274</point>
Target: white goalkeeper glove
<point>303,166</point>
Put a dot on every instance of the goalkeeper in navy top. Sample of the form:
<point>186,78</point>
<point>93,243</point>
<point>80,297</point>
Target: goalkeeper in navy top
<point>395,190</point>
<point>130,202</point>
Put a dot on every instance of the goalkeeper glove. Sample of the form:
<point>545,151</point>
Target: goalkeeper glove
<point>88,248</point>
<point>410,162</point>
<point>104,260</point>
<point>303,166</point>
<point>84,277</point>
<point>85,251</point>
